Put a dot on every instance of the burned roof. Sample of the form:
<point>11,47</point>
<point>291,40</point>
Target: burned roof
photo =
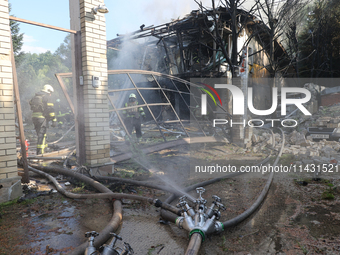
<point>196,30</point>
<point>191,26</point>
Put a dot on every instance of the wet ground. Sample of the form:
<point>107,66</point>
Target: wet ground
<point>299,215</point>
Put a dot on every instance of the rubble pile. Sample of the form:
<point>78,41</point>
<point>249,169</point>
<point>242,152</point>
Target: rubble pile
<point>328,122</point>
<point>302,146</point>
<point>306,151</point>
<point>326,116</point>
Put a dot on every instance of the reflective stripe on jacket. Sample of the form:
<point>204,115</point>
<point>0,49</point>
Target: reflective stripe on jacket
<point>48,108</point>
<point>135,112</point>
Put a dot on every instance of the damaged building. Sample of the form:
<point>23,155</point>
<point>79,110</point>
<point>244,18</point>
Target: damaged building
<point>200,45</point>
<point>177,142</point>
<point>190,47</point>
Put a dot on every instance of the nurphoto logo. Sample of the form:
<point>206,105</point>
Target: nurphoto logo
<point>239,104</point>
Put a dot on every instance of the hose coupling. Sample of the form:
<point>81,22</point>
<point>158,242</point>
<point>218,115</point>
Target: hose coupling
<point>158,203</point>
<point>199,232</point>
<point>179,222</point>
<point>219,228</point>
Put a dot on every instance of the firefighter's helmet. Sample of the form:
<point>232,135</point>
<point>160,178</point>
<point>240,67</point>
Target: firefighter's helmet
<point>48,88</point>
<point>132,96</point>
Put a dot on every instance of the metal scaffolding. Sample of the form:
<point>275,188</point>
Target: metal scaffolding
<point>155,83</point>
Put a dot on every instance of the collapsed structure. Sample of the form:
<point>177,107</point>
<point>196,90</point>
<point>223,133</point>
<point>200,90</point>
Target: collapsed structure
<point>200,45</point>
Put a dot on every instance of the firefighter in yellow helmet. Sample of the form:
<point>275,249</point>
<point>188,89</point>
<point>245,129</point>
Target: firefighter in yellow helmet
<point>133,116</point>
<point>43,112</point>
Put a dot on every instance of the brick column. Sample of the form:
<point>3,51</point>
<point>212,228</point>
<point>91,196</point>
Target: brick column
<point>94,63</point>
<point>8,158</point>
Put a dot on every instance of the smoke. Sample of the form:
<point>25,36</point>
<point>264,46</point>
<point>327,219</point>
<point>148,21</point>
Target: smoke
<point>154,12</point>
<point>135,54</point>
<point>128,56</point>
<point>160,12</point>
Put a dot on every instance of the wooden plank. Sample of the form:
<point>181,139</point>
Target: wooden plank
<point>42,25</point>
<point>167,56</point>
<point>62,85</point>
<point>181,50</point>
<point>63,152</point>
<point>162,146</point>
<point>25,178</point>
<point>81,151</point>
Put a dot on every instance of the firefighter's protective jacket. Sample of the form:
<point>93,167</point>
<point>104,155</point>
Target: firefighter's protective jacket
<point>42,106</point>
<point>135,112</point>
<point>61,111</point>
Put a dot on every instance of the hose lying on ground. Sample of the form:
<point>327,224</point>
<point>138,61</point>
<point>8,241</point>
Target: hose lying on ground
<point>196,239</point>
<point>104,235</point>
<point>107,193</point>
<point>112,226</point>
<point>194,244</point>
<point>259,200</point>
<point>247,213</point>
<point>212,181</point>
<point>62,136</point>
<point>116,219</point>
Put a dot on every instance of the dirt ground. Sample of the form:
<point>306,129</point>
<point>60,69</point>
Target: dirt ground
<point>299,215</point>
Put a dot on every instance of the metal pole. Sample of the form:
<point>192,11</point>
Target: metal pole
<point>147,106</point>
<point>119,117</point>
<point>171,104</point>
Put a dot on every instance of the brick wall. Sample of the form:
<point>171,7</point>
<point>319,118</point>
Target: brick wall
<point>330,99</point>
<point>94,63</point>
<point>8,158</point>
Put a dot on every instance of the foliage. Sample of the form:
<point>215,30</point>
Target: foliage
<point>275,27</point>
<point>8,203</point>
<point>150,251</point>
<point>64,52</point>
<point>79,189</point>
<point>329,193</point>
<point>17,37</point>
<point>304,250</point>
<point>320,41</point>
<point>280,17</point>
<point>287,159</point>
<point>224,244</point>
<point>36,70</point>
<point>14,202</point>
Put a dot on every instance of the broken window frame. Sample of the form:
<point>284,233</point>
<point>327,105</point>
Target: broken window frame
<point>173,79</point>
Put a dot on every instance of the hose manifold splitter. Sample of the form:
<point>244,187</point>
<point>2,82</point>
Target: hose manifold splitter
<point>202,220</point>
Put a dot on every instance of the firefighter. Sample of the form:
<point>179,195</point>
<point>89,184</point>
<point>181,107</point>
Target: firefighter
<point>43,112</point>
<point>63,115</point>
<point>132,116</point>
